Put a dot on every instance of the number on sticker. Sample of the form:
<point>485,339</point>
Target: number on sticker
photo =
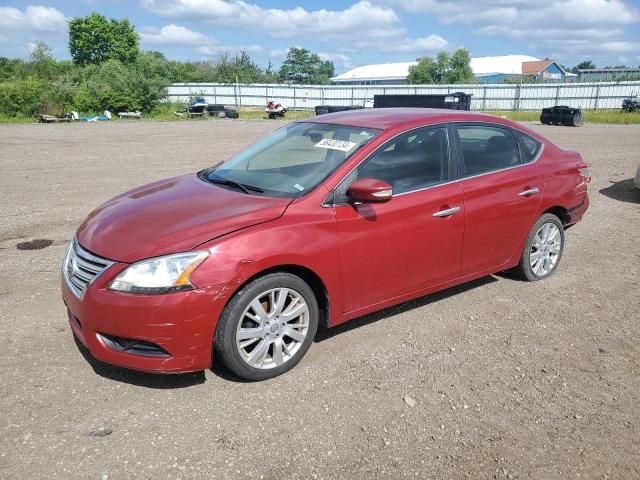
<point>331,144</point>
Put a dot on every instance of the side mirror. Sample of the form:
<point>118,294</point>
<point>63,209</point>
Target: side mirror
<point>370,190</point>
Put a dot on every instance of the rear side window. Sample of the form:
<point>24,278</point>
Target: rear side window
<point>530,147</point>
<point>485,149</point>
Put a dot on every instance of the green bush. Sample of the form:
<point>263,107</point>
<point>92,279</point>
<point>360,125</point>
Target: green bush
<point>112,86</point>
<point>21,96</point>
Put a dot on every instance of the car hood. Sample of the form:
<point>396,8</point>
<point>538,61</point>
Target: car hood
<point>170,216</point>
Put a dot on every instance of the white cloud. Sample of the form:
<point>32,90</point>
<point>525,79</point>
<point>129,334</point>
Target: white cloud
<point>430,44</point>
<point>572,13</point>
<point>216,49</point>
<point>173,35</point>
<point>362,19</point>
<point>340,60</point>
<point>34,19</point>
<point>558,28</point>
<point>278,53</point>
<point>363,25</point>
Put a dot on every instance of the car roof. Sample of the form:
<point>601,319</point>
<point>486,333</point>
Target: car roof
<point>385,118</point>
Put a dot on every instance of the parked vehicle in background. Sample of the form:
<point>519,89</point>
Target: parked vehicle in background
<point>631,104</point>
<point>321,221</point>
<point>636,181</point>
<point>274,109</point>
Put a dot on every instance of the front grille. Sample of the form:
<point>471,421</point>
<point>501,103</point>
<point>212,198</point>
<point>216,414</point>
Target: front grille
<point>130,345</point>
<point>81,267</point>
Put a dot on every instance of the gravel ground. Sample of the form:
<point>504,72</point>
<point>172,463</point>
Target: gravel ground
<point>494,379</point>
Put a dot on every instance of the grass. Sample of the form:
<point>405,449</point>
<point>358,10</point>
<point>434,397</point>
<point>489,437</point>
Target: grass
<point>259,114</point>
<point>17,119</point>
<point>166,112</point>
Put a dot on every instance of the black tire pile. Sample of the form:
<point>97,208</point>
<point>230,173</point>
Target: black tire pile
<point>562,115</point>
<point>222,111</point>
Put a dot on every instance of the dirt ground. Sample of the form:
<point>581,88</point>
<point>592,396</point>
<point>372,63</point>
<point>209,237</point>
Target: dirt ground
<point>510,379</point>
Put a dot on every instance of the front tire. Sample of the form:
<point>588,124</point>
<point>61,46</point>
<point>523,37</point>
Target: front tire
<point>267,327</point>
<point>543,249</point>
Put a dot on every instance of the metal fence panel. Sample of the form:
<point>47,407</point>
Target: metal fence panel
<point>601,95</point>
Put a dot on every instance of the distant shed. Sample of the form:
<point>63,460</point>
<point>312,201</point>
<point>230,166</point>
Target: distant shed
<point>545,70</point>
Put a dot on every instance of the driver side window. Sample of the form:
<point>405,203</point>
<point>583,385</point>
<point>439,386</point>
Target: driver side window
<point>411,161</point>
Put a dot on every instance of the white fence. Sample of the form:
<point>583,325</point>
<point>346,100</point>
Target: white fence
<point>592,96</point>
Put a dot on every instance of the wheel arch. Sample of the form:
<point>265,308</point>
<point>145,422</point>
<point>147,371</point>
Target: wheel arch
<point>559,211</point>
<point>305,273</point>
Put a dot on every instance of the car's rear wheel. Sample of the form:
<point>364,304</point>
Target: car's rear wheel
<point>543,249</point>
<point>267,327</point>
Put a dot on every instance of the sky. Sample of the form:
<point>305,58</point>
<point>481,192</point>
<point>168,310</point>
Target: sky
<point>350,33</point>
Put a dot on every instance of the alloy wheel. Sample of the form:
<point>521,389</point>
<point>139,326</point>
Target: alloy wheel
<point>272,328</point>
<point>545,249</point>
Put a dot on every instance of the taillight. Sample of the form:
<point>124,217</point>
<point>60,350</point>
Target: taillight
<point>585,172</point>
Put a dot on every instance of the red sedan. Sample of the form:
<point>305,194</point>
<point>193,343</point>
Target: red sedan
<point>317,223</point>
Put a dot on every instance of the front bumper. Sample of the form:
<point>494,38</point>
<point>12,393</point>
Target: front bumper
<point>182,324</point>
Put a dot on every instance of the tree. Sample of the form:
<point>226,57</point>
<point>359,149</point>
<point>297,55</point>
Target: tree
<point>41,52</point>
<point>117,86</point>
<point>425,71</point>
<point>326,70</point>
<point>585,65</point>
<point>41,62</point>
<point>239,69</point>
<point>460,68</point>
<point>94,39</point>
<point>445,69</point>
<point>303,66</point>
<point>270,75</point>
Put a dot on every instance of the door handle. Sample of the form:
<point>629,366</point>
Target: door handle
<point>447,213</point>
<point>528,193</point>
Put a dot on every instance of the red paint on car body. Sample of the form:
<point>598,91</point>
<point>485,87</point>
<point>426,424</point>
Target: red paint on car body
<point>366,257</point>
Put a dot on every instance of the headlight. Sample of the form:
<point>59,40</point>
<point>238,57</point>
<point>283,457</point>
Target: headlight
<point>159,275</point>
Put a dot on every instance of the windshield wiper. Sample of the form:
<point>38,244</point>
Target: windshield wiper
<point>238,186</point>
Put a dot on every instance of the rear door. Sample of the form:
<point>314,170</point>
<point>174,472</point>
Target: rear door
<point>502,193</point>
<point>389,249</point>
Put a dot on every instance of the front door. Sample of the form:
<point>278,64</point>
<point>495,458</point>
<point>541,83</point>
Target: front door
<point>412,241</point>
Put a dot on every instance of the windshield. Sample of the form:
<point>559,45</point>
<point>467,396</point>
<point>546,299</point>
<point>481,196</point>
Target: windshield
<point>291,161</point>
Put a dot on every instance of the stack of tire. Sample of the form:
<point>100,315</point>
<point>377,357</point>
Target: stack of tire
<point>324,109</point>
<point>222,111</point>
<point>562,115</point>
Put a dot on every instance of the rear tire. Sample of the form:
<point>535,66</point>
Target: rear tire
<point>543,249</point>
<point>267,327</point>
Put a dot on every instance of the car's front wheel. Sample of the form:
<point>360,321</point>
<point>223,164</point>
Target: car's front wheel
<point>267,327</point>
<point>543,249</point>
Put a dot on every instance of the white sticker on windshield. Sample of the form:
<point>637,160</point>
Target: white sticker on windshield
<point>299,187</point>
<point>341,145</point>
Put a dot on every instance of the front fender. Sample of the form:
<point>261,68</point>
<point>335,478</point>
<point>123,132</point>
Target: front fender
<point>298,238</point>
